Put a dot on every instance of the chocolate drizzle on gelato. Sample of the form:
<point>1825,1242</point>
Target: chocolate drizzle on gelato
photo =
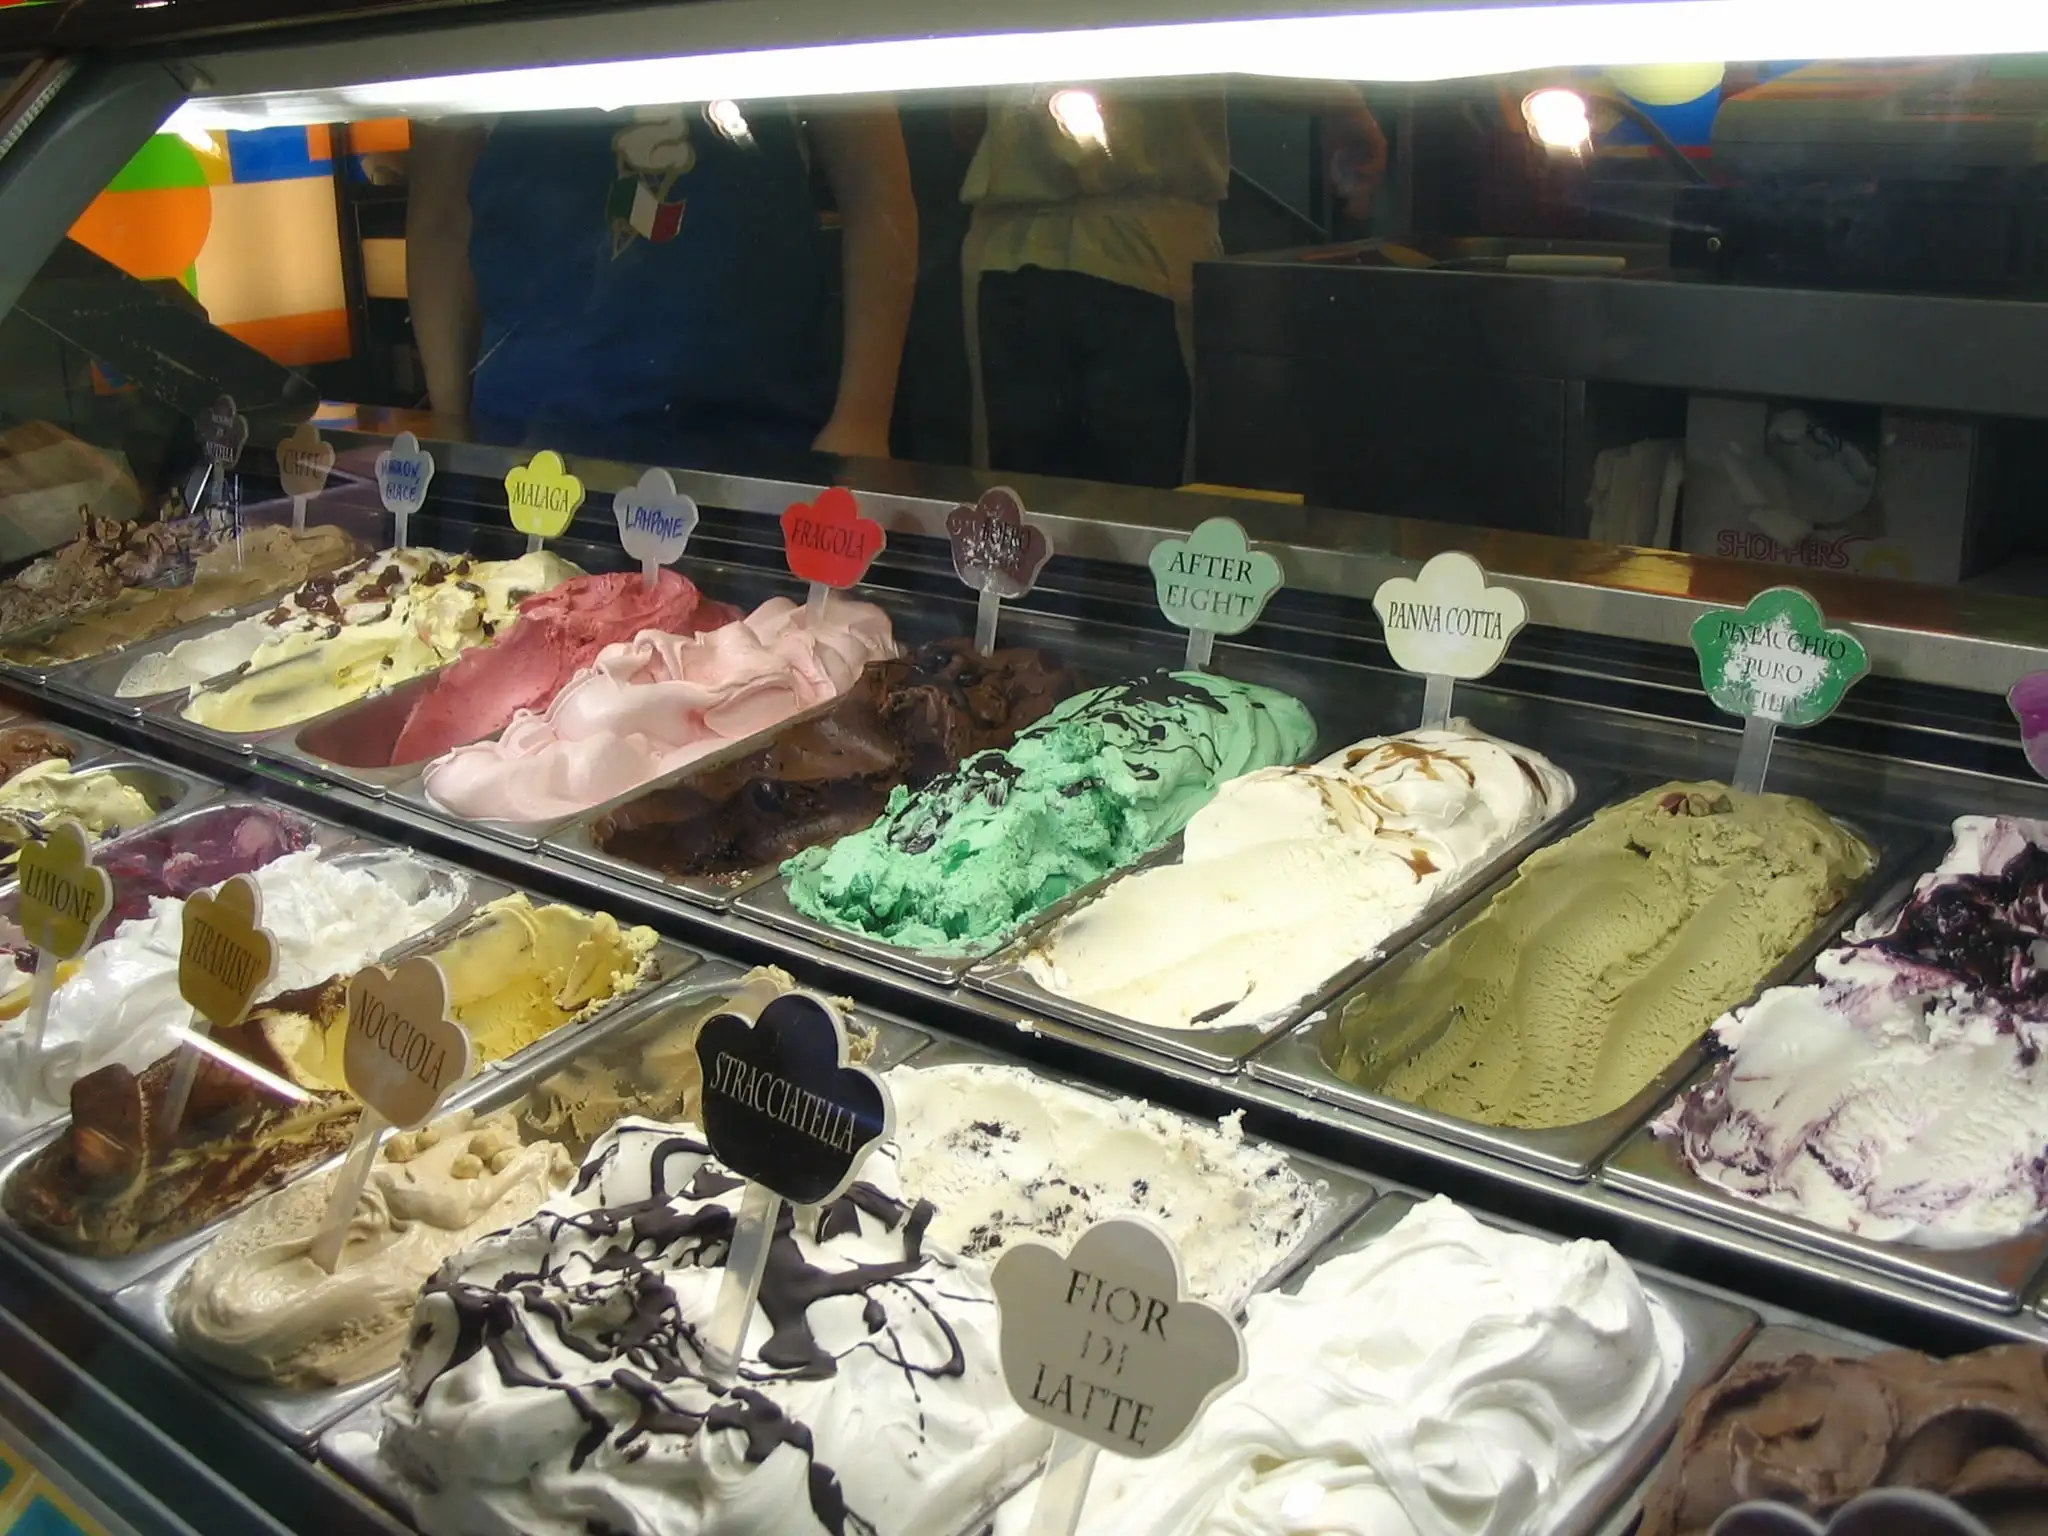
<point>603,1294</point>
<point>905,722</point>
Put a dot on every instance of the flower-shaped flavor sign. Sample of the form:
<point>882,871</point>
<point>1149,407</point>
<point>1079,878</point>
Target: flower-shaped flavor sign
<point>782,1108</point>
<point>1213,579</point>
<point>404,471</point>
<point>64,895</point>
<point>1777,659</point>
<point>994,548</point>
<point>655,519</point>
<point>225,955</point>
<point>543,496</point>
<point>1105,1342</point>
<point>1446,621</point>
<point>223,432</point>
<point>828,541</point>
<point>402,1052</point>
<point>304,461</point>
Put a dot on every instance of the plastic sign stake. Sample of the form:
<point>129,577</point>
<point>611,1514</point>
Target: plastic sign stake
<point>542,497</point>
<point>1105,1345</point>
<point>655,522</point>
<point>1212,583</point>
<point>400,1056</point>
<point>1774,663</point>
<point>829,544</point>
<point>998,554</point>
<point>1446,623</point>
<point>404,471</point>
<point>784,1111</point>
<point>303,464</point>
<point>64,899</point>
<point>226,957</point>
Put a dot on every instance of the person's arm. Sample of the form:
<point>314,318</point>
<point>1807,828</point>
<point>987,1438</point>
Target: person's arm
<point>445,321</point>
<point>869,172</point>
<point>1355,150</point>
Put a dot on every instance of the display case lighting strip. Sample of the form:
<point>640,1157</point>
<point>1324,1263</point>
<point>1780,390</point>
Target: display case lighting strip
<point>1382,46</point>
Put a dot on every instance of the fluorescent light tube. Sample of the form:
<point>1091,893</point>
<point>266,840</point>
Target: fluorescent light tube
<point>1422,45</point>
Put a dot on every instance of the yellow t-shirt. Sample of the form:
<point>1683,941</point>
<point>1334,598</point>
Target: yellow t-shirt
<point>1130,198</point>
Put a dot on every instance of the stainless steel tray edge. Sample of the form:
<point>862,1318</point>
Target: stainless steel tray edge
<point>295,1416</point>
<point>96,678</point>
<point>1347,1192</point>
<point>1295,1060</point>
<point>1003,975</point>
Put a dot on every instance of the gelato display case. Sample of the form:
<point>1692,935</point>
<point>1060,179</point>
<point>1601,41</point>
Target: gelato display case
<point>690,516</point>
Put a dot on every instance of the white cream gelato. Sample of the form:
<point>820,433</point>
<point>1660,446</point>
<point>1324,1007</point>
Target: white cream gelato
<point>554,1385</point>
<point>1005,1154</point>
<point>122,1004</point>
<point>1447,1379</point>
<point>1291,874</point>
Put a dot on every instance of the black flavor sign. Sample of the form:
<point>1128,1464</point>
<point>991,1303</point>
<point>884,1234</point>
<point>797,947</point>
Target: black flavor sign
<point>782,1108</point>
<point>1106,1344</point>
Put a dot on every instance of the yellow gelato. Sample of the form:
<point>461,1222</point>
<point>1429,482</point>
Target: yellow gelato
<point>100,801</point>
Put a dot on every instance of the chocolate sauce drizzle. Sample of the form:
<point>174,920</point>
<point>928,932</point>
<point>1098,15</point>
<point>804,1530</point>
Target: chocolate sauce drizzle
<point>607,1300</point>
<point>1137,719</point>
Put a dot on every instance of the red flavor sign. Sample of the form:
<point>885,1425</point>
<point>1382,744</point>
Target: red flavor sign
<point>828,541</point>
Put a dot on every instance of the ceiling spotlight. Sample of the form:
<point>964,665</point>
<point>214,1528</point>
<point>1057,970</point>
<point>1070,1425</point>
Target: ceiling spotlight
<point>1558,120</point>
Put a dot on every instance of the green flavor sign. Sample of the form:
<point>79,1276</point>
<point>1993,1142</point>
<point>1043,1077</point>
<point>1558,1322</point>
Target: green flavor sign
<point>1776,659</point>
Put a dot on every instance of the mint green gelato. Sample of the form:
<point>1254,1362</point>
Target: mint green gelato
<point>1105,778</point>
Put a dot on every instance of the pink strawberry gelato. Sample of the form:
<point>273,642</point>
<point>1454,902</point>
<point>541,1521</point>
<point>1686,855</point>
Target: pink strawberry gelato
<point>556,635</point>
<point>657,702</point>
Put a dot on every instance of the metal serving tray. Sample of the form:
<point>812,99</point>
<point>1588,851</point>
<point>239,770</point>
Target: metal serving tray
<point>1991,1274</point>
<point>526,836</point>
<point>1297,1060</point>
<point>1349,1192</point>
<point>168,790</point>
<point>669,960</point>
<point>1715,1333</point>
<point>647,1016</point>
<point>574,840</point>
<point>1994,1275</point>
<point>38,671</point>
<point>326,744</point>
<point>1774,1341</point>
<point>1224,1050</point>
<point>97,679</point>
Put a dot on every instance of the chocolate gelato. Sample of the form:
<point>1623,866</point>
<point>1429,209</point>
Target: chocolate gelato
<point>1815,1433</point>
<point>904,723</point>
<point>23,746</point>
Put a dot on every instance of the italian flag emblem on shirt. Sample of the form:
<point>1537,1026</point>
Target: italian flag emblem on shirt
<point>635,208</point>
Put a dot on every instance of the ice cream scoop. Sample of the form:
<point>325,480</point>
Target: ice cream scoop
<point>1006,1155</point>
<point>263,560</point>
<point>1447,1377</point>
<point>441,613</point>
<point>102,802</point>
<point>658,702</point>
<point>1105,778</point>
<point>869,1395</point>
